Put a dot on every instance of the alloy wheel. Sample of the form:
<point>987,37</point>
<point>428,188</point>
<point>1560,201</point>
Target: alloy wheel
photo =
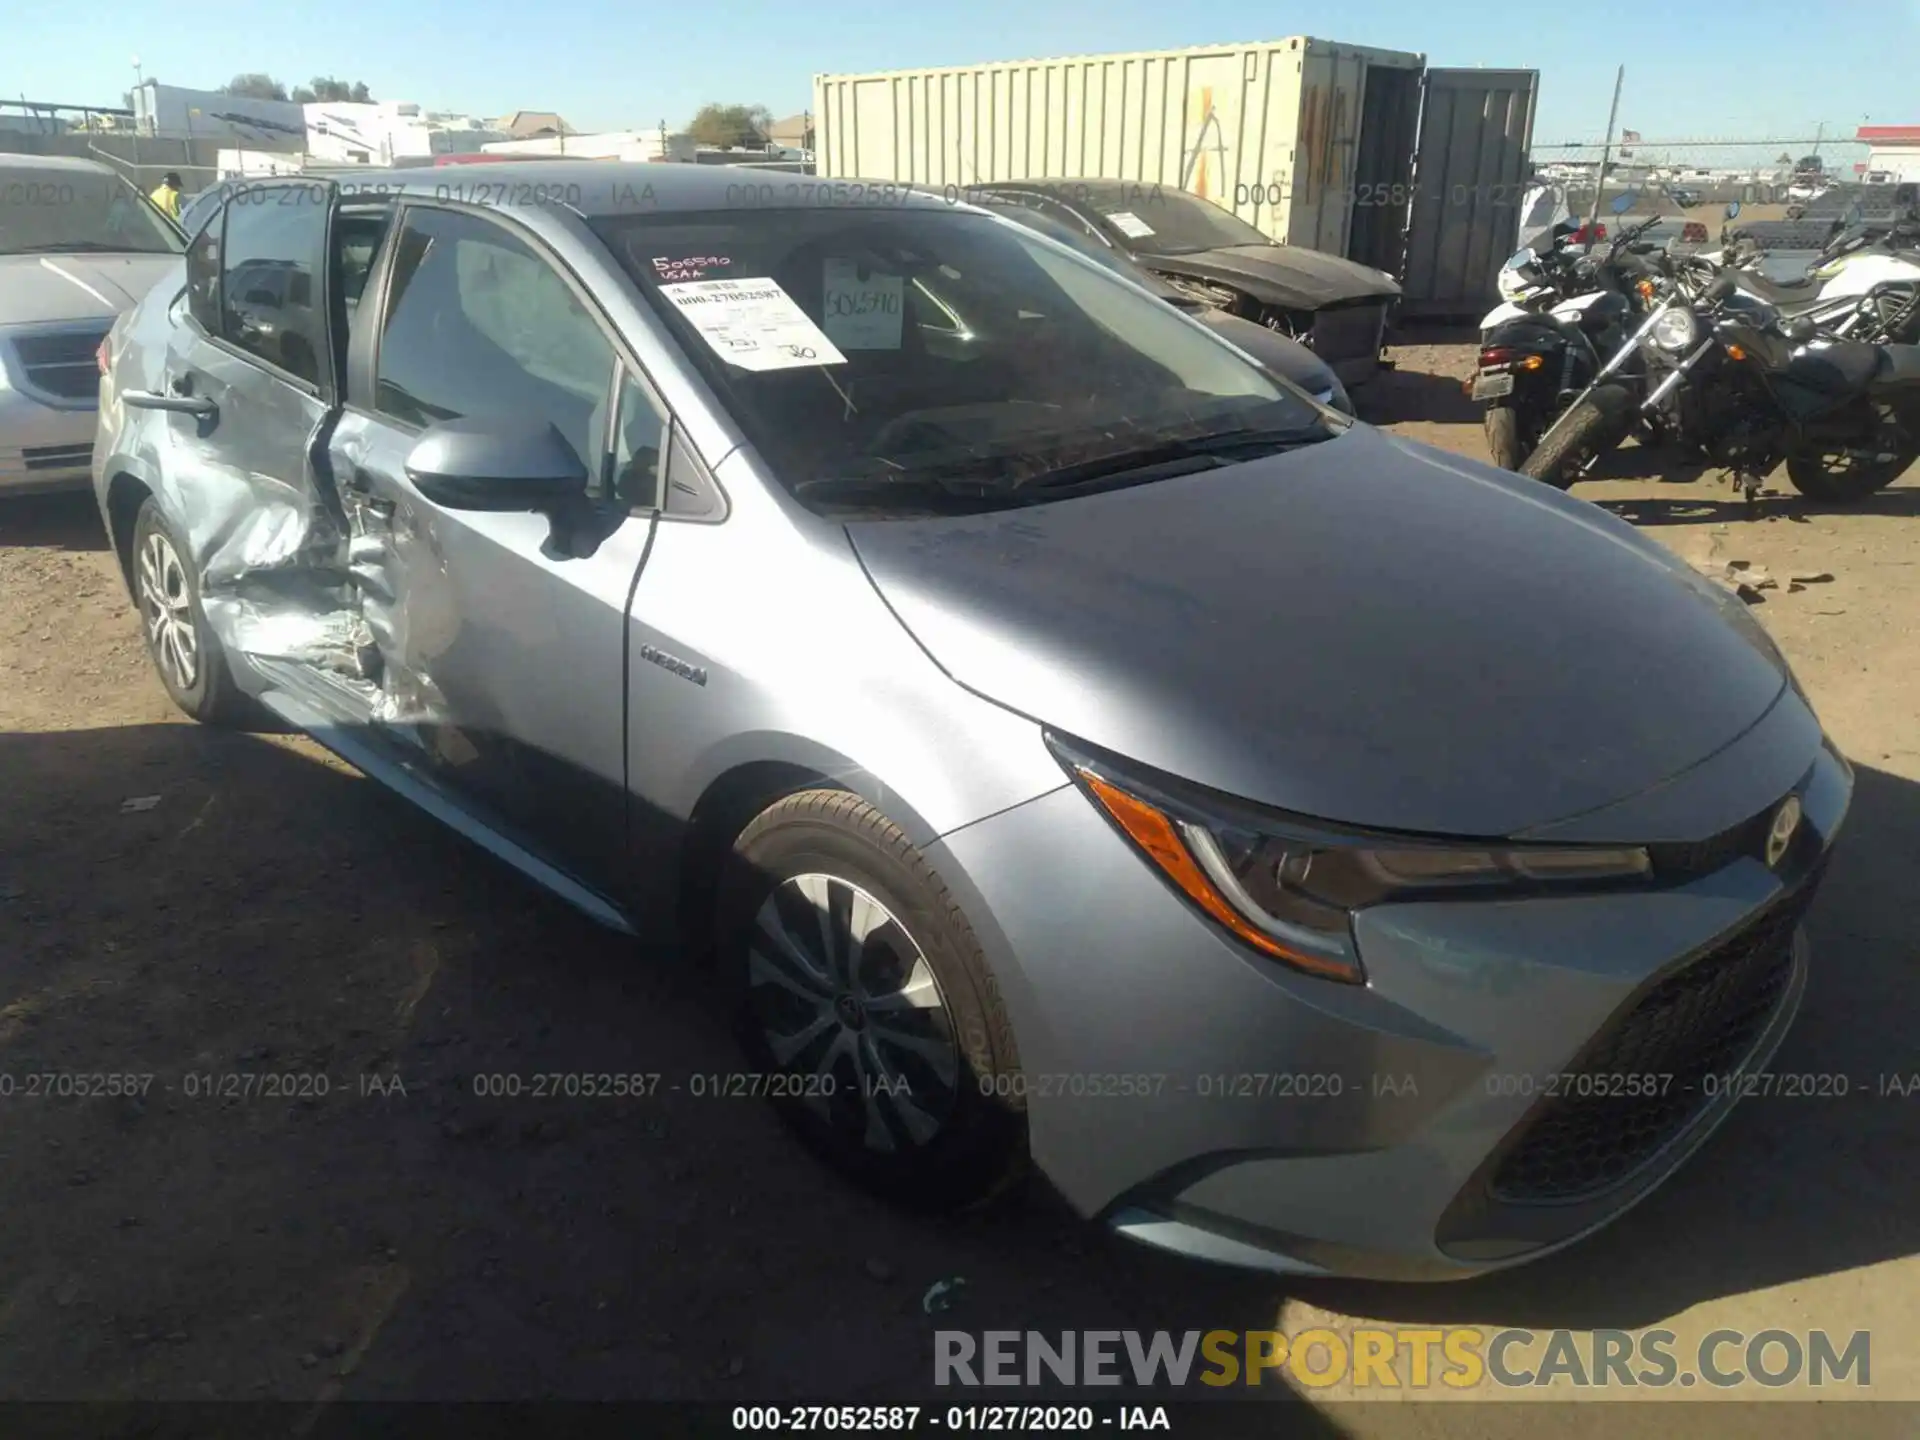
<point>852,1012</point>
<point>166,609</point>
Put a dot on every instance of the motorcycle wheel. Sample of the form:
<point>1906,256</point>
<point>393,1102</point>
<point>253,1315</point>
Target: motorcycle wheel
<point>1503,437</point>
<point>1586,429</point>
<point>1841,479</point>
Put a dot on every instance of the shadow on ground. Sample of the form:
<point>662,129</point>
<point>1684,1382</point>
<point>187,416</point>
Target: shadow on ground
<point>396,1231</point>
<point>66,521</point>
<point>1790,1187</point>
<point>1400,395</point>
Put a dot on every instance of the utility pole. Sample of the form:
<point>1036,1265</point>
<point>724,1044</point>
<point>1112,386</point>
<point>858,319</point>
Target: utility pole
<point>1606,153</point>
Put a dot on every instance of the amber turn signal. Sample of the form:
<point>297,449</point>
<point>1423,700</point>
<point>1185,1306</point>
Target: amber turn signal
<point>1155,833</point>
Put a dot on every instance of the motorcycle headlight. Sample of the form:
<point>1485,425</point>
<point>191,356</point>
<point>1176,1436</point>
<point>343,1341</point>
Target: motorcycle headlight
<point>1676,330</point>
<point>1289,887</point>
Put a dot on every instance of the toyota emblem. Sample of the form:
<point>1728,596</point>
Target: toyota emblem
<point>1786,820</point>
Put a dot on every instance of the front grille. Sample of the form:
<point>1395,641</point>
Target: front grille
<point>61,362</point>
<point>56,457</point>
<point>1696,1026</point>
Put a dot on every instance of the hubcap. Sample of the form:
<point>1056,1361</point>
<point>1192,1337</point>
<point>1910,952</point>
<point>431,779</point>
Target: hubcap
<point>167,611</point>
<point>850,1008</point>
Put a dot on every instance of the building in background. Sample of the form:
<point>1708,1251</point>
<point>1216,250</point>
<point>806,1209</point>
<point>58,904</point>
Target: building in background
<point>390,132</point>
<point>1893,155</point>
<point>533,125</point>
<point>793,133</point>
<point>641,145</point>
<point>172,112</point>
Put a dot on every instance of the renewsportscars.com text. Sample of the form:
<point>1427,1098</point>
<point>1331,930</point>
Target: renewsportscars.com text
<point>1458,1357</point>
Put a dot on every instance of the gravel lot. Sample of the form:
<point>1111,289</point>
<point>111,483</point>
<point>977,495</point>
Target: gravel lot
<point>270,910</point>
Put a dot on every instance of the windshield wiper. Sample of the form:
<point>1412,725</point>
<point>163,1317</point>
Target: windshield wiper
<point>882,491</point>
<point>1226,447</point>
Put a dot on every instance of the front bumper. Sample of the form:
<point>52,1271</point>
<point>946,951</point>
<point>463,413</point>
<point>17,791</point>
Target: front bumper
<point>43,448</point>
<point>1197,1097</point>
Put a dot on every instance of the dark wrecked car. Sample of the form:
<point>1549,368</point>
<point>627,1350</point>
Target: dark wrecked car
<point>1279,353</point>
<point>1337,307</point>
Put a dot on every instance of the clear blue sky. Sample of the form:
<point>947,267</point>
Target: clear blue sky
<point>1694,67</point>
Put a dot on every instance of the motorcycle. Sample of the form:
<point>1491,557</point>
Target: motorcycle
<point>1864,285</point>
<point>1844,415</point>
<point>1564,311</point>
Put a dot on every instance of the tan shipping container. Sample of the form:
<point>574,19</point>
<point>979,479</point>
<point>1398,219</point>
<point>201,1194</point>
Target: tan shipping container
<point>1270,131</point>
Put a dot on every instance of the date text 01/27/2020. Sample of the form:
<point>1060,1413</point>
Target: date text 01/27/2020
<point>918,1419</point>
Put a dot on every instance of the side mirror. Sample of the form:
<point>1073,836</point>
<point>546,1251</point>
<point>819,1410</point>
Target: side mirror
<point>1733,209</point>
<point>1622,203</point>
<point>496,465</point>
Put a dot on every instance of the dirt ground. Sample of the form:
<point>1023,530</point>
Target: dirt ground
<point>178,903</point>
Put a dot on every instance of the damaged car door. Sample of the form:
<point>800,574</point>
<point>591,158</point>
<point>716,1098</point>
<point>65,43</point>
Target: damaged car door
<point>499,628</point>
<point>249,388</point>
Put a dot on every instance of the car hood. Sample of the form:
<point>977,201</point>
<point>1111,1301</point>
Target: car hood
<point>1365,630</point>
<point>1281,274</point>
<point>43,289</point>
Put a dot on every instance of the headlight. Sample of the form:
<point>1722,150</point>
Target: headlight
<point>1290,887</point>
<point>1676,330</point>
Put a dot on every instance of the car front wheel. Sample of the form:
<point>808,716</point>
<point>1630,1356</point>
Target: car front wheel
<point>182,646</point>
<point>866,1007</point>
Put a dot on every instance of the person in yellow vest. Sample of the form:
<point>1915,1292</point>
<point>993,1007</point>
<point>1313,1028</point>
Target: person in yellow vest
<point>166,195</point>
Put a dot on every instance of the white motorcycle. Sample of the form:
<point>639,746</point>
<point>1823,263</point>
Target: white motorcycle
<point>1862,287</point>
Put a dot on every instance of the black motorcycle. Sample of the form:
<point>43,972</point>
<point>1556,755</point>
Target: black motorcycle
<point>1532,365</point>
<point>1843,415</point>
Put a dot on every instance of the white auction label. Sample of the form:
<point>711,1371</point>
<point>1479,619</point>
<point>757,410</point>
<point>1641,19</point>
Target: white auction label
<point>752,323</point>
<point>862,312</point>
<point>1130,225</point>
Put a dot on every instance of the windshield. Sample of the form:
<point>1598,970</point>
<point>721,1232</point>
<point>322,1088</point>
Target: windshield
<point>1159,221</point>
<point>49,211</point>
<point>910,360</point>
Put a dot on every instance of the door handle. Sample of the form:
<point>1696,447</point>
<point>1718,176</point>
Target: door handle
<point>176,404</point>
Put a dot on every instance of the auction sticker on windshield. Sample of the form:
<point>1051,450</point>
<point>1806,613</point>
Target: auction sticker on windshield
<point>752,324</point>
<point>862,306</point>
<point>1130,225</point>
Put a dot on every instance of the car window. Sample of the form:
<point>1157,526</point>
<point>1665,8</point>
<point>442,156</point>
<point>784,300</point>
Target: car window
<point>1054,225</point>
<point>274,256</point>
<point>518,301</point>
<point>1164,221</point>
<point>923,344</point>
<point>639,439</point>
<point>201,208</point>
<point>52,210</point>
<point>203,276</point>
<point>478,324</point>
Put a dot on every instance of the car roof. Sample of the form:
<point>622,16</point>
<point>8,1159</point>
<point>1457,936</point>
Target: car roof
<point>69,164</point>
<point>617,187</point>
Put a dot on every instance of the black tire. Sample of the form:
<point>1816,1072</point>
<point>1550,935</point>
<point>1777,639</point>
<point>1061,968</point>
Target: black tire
<point>1593,425</point>
<point>977,1148</point>
<point>162,577</point>
<point>1812,477</point>
<point>1504,446</point>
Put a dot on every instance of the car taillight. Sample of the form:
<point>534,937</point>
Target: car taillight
<point>100,356</point>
